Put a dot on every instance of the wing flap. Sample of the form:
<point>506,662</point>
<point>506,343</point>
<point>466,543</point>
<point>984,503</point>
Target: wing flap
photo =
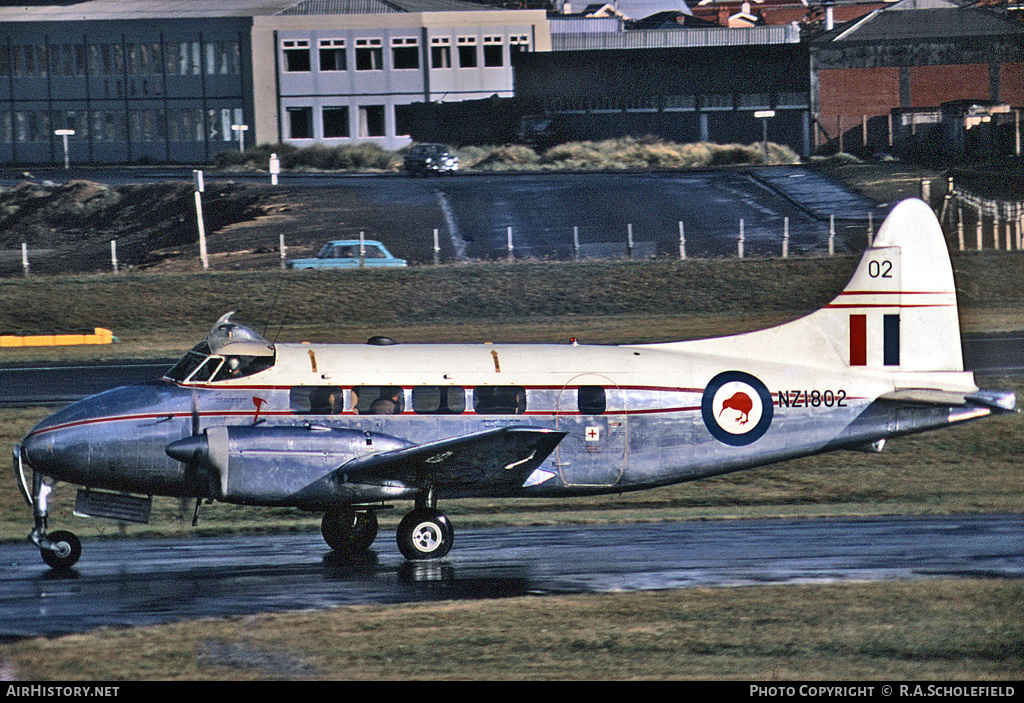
<point>495,458</point>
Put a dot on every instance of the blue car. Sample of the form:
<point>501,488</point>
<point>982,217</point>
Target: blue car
<point>345,253</point>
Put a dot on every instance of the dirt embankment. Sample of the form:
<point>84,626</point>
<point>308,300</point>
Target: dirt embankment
<point>68,227</point>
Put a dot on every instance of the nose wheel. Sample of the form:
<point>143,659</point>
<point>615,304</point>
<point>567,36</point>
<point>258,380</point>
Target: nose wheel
<point>59,549</point>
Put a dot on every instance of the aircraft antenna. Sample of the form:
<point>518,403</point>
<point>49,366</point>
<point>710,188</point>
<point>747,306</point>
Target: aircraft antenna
<point>273,307</point>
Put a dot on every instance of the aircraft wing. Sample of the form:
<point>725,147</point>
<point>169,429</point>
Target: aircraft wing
<point>491,459</point>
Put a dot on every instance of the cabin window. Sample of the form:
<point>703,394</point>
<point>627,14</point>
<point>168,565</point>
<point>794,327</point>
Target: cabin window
<point>499,400</point>
<point>378,400</point>
<point>206,370</point>
<point>240,366</point>
<point>438,400</point>
<point>188,363</point>
<point>590,400</point>
<point>316,400</point>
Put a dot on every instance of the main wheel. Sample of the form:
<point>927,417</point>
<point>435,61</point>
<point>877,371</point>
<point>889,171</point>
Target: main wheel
<point>69,549</point>
<point>425,534</point>
<point>347,530</point>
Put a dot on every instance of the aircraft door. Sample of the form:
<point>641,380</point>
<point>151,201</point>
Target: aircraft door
<point>592,409</point>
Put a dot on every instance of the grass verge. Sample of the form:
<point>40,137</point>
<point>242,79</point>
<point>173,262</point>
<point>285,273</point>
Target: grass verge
<point>935,630</point>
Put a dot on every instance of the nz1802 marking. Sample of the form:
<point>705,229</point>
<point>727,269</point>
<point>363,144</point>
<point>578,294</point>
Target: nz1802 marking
<point>811,399</point>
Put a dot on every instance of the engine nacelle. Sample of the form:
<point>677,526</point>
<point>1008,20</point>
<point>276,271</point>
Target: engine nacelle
<point>268,465</point>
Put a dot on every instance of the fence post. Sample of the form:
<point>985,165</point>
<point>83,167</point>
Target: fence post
<point>785,238</point>
<point>960,225</point>
<point>362,249</point>
<point>510,247</point>
<point>24,258</point>
<point>275,168</point>
<point>1009,229</point>
<point>197,178</point>
<point>437,248</point>
<point>871,228</point>
<point>629,241</point>
<point>1020,224</point>
<point>978,228</point>
<point>283,249</point>
<point>113,254</point>
<point>682,242</point>
<point>576,243</point>
<point>742,239</point>
<point>831,235</point>
<point>995,227</point>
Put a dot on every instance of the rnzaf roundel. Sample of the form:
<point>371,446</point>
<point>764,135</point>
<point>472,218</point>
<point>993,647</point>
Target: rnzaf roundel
<point>737,408</point>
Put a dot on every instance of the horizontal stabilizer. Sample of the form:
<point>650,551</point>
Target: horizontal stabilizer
<point>925,395</point>
<point>997,401</point>
<point>491,459</point>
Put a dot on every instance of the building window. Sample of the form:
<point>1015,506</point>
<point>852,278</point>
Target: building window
<point>369,55</point>
<point>223,58</point>
<point>518,43</point>
<point>753,100</point>
<point>405,53</point>
<point>405,119</point>
<point>180,59</point>
<point>300,122</point>
<point>792,100</point>
<point>680,102</point>
<point>296,56</point>
<point>718,101</point>
<point>494,51</point>
<point>335,122</point>
<point>440,52</point>
<point>332,55</point>
<point>371,121</point>
<point>467,52</point>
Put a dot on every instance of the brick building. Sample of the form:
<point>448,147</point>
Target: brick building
<point>913,54</point>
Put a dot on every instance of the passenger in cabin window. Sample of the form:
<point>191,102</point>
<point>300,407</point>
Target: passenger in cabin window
<point>325,401</point>
<point>389,402</point>
<point>520,402</point>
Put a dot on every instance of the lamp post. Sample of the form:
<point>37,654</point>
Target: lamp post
<point>240,128</point>
<point>764,116</point>
<point>65,133</point>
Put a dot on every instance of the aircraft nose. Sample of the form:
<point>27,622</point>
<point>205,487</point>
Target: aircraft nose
<point>36,449</point>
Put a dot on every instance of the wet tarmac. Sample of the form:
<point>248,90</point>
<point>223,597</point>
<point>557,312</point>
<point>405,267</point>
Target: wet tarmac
<point>140,582</point>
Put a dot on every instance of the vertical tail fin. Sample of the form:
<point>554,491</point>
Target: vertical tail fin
<point>897,314</point>
<point>899,310</point>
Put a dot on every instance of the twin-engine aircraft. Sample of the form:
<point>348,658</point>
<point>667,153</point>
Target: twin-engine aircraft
<point>344,429</point>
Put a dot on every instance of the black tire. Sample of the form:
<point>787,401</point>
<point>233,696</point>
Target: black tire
<point>347,530</point>
<point>68,554</point>
<point>425,534</point>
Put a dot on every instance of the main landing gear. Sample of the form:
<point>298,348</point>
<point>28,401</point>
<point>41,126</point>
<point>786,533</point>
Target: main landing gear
<point>425,533</point>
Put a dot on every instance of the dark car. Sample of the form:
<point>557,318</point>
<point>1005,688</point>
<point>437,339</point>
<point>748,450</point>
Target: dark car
<point>430,158</point>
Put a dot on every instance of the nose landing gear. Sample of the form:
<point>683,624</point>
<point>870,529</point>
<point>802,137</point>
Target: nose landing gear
<point>59,549</point>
